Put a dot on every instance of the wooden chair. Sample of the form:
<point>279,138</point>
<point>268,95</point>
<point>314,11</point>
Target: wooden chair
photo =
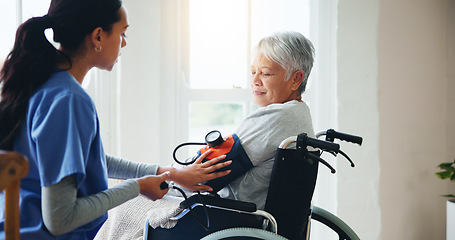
<point>13,167</point>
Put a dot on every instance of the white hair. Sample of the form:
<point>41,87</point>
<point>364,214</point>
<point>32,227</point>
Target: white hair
<point>291,50</point>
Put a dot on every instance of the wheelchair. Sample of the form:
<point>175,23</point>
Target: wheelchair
<point>288,211</point>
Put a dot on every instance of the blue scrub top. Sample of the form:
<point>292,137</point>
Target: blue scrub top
<point>60,136</point>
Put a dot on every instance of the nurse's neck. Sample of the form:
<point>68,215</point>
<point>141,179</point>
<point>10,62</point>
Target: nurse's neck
<point>78,67</point>
<point>77,74</point>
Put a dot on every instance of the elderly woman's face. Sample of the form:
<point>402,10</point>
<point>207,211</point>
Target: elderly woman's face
<point>268,83</point>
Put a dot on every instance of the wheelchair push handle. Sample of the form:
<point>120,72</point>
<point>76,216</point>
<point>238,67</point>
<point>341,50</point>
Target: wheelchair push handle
<point>331,135</point>
<point>304,140</point>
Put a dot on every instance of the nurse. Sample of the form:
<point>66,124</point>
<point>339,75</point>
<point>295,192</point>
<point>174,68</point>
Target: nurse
<point>47,116</point>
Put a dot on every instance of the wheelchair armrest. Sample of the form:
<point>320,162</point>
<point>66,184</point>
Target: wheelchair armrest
<point>229,205</point>
<point>217,201</point>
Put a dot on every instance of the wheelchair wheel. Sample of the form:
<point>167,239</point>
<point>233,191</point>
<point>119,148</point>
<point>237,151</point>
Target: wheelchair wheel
<point>253,233</point>
<point>336,224</point>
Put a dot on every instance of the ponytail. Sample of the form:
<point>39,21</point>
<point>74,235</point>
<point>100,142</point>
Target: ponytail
<point>27,66</point>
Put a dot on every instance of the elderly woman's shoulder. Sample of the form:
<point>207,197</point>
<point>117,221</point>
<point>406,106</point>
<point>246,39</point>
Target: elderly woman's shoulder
<point>282,110</point>
<point>287,106</point>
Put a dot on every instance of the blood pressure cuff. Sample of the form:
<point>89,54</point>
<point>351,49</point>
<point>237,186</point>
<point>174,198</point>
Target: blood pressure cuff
<point>234,151</point>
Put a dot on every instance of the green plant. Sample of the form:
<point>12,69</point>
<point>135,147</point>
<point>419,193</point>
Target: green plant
<point>447,173</point>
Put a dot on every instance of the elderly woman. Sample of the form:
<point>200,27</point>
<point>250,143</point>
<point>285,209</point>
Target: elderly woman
<point>279,75</point>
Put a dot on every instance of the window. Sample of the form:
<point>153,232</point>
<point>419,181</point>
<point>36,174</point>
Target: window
<point>7,15</point>
<point>217,41</point>
<point>207,46</point>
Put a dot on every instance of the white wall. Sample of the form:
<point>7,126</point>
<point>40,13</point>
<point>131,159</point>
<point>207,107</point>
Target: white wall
<point>413,93</point>
<point>141,80</point>
<point>394,64</point>
<point>148,63</point>
<point>358,188</point>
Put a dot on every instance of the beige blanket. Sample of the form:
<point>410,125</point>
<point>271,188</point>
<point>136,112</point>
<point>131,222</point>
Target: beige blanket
<point>127,221</point>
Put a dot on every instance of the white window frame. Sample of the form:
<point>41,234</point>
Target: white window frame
<point>176,94</point>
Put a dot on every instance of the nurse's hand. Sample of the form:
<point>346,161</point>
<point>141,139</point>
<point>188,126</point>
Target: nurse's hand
<point>150,185</point>
<point>192,176</point>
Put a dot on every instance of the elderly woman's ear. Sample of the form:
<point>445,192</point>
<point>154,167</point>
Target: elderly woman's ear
<point>297,79</point>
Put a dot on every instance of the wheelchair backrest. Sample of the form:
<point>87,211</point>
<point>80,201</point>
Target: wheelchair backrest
<point>290,191</point>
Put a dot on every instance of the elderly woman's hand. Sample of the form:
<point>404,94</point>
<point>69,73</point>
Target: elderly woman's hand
<point>193,175</point>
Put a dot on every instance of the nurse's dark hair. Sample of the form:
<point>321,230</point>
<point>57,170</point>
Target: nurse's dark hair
<point>33,58</point>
